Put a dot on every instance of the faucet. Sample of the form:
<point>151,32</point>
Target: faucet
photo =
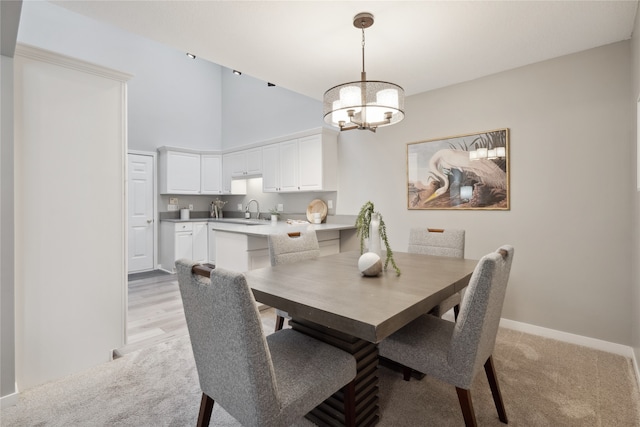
<point>257,208</point>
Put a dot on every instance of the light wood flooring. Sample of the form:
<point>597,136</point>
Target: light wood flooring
<point>155,312</point>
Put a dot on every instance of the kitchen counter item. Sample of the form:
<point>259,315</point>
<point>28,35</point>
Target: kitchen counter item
<point>317,206</point>
<point>184,214</point>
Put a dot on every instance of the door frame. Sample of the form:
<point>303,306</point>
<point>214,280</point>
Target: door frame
<point>154,157</point>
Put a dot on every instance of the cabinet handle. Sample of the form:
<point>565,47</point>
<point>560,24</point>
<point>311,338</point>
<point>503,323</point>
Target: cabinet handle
<point>149,221</point>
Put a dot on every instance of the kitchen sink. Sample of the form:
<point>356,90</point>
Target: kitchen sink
<point>241,221</point>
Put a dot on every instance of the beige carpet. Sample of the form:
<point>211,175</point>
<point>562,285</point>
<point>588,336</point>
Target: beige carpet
<point>544,383</point>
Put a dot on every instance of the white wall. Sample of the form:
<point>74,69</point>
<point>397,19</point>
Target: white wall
<point>254,112</point>
<point>173,100</point>
<point>635,254</point>
<point>571,177</point>
<point>7,259</point>
<point>70,139</point>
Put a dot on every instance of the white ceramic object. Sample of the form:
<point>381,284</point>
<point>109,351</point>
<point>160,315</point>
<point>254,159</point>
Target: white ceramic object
<point>370,264</point>
<point>184,213</point>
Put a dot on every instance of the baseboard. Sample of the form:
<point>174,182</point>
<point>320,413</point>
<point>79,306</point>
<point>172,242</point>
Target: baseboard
<point>634,360</point>
<point>609,347</point>
<point>9,400</point>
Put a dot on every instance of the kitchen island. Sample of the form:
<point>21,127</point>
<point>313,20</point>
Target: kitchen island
<point>241,245</point>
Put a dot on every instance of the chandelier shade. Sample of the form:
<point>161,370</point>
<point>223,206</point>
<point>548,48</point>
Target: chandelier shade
<point>367,104</point>
<point>364,104</point>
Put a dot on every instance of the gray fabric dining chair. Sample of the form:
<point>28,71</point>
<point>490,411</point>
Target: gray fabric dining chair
<point>260,381</point>
<point>286,248</point>
<point>455,352</point>
<point>439,242</point>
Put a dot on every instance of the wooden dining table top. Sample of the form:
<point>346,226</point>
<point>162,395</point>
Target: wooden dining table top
<point>332,292</point>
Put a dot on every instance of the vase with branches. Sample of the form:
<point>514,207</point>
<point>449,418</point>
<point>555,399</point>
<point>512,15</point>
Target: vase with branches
<point>364,220</point>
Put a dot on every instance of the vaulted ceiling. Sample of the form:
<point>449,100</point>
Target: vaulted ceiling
<point>309,46</point>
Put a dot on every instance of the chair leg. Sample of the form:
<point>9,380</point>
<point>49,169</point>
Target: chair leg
<point>495,389</point>
<point>206,407</point>
<point>279,323</point>
<point>350,404</point>
<point>406,373</point>
<point>464,397</point>
<point>456,311</point>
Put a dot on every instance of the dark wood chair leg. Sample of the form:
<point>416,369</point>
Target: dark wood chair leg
<point>206,407</point>
<point>464,397</point>
<point>495,389</point>
<point>406,373</point>
<point>350,404</point>
<point>279,323</point>
<point>456,311</point>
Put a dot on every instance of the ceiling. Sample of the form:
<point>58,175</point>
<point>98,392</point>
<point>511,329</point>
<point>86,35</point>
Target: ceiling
<point>310,46</point>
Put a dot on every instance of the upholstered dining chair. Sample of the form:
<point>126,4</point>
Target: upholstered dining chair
<point>260,381</point>
<point>455,352</point>
<point>286,248</point>
<point>439,242</point>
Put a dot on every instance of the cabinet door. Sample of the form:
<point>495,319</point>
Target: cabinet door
<point>271,168</point>
<point>211,174</point>
<point>182,173</point>
<point>226,174</point>
<point>289,166</point>
<point>254,161</point>
<point>310,163</point>
<point>212,245</point>
<point>238,163</point>
<point>184,245</point>
<point>200,237</point>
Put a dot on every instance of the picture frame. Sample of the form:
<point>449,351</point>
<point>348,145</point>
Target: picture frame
<point>463,172</point>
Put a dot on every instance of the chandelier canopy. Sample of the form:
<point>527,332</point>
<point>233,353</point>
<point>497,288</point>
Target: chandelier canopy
<point>364,104</point>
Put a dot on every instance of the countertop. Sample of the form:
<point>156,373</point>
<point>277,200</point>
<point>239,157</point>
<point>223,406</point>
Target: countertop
<point>265,229</point>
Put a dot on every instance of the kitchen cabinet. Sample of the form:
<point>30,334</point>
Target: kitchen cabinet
<point>182,171</point>
<point>244,252</point>
<point>230,185</point>
<point>200,243</point>
<point>182,240</point>
<point>179,172</point>
<point>302,164</point>
<point>271,168</point>
<point>211,242</point>
<point>245,163</point>
<point>211,174</point>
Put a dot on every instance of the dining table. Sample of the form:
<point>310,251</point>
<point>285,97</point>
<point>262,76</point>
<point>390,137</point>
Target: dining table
<point>330,299</point>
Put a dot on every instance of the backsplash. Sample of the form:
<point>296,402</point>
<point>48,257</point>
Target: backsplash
<point>294,204</point>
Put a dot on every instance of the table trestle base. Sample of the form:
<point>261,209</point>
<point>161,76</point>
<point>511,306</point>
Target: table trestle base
<point>332,411</point>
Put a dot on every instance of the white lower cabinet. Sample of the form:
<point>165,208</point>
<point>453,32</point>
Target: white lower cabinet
<point>200,242</point>
<point>212,244</point>
<point>182,240</point>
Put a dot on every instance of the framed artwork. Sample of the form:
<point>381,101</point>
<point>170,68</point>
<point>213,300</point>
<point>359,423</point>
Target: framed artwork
<point>459,172</point>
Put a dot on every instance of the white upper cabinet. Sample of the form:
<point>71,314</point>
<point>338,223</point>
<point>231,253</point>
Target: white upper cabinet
<point>303,164</point>
<point>211,174</point>
<point>254,161</point>
<point>179,172</point>
<point>307,163</point>
<point>245,163</point>
<point>271,168</point>
<point>289,166</point>
<point>231,162</point>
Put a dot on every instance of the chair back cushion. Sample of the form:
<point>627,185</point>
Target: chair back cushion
<point>285,249</point>
<point>440,243</point>
<point>474,334</point>
<point>231,353</point>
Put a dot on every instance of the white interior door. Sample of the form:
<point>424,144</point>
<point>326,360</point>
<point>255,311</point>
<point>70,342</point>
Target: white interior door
<point>141,212</point>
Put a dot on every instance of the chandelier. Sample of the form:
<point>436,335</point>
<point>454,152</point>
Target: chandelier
<point>364,104</point>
